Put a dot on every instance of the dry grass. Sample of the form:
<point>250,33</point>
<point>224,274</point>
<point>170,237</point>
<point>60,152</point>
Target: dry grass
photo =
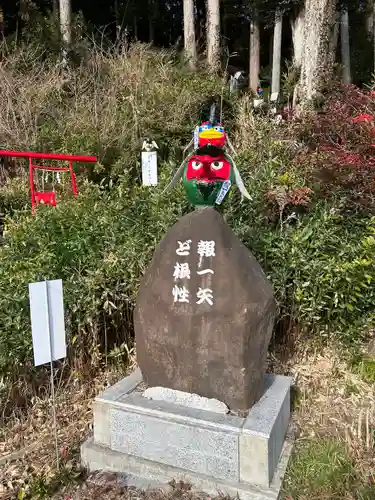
<point>105,106</point>
<point>335,420</point>
<point>332,404</point>
<point>27,446</point>
<point>23,102</point>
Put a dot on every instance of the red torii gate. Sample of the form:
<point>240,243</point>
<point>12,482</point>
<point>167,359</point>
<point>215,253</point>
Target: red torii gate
<point>48,197</point>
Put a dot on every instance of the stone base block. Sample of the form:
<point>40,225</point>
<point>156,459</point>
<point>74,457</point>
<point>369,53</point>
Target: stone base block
<point>154,442</point>
<point>145,474</point>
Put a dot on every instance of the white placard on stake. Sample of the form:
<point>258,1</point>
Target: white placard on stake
<point>149,168</point>
<point>48,332</point>
<point>47,321</point>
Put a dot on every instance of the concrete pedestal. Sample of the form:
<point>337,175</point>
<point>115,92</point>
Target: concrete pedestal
<point>152,442</point>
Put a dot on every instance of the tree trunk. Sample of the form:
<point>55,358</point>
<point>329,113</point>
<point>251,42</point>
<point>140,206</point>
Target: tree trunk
<point>117,19</point>
<point>135,24</point>
<point>373,29</point>
<point>224,29</point>
<point>151,20</point>
<point>189,34</point>
<point>213,35</point>
<point>335,37</point>
<point>276,58</point>
<point>298,26</point>
<point>345,47</point>
<point>317,60</point>
<point>270,47</point>
<point>55,8</point>
<point>200,27</point>
<point>254,59</point>
<point>201,34</point>
<point>1,22</point>
<point>65,28</point>
<point>370,22</point>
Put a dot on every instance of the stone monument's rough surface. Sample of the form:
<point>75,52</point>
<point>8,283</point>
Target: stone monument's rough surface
<point>205,313</point>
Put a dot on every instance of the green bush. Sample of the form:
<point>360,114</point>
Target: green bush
<point>99,244</point>
<point>318,255</point>
<point>14,195</point>
<point>321,265</point>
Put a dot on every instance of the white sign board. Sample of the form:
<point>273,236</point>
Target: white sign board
<point>274,96</point>
<point>149,168</point>
<point>47,321</point>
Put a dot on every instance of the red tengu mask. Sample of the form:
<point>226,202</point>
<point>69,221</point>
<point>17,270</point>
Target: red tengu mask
<point>206,168</point>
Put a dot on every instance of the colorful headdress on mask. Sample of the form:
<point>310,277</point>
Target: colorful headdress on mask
<point>209,171</point>
<point>211,135</point>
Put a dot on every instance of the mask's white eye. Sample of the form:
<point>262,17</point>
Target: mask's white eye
<point>205,127</point>
<point>196,165</point>
<point>217,165</point>
<point>219,129</point>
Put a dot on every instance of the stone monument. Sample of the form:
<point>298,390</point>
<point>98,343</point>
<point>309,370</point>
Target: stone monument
<point>200,408</point>
<point>205,314</point>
